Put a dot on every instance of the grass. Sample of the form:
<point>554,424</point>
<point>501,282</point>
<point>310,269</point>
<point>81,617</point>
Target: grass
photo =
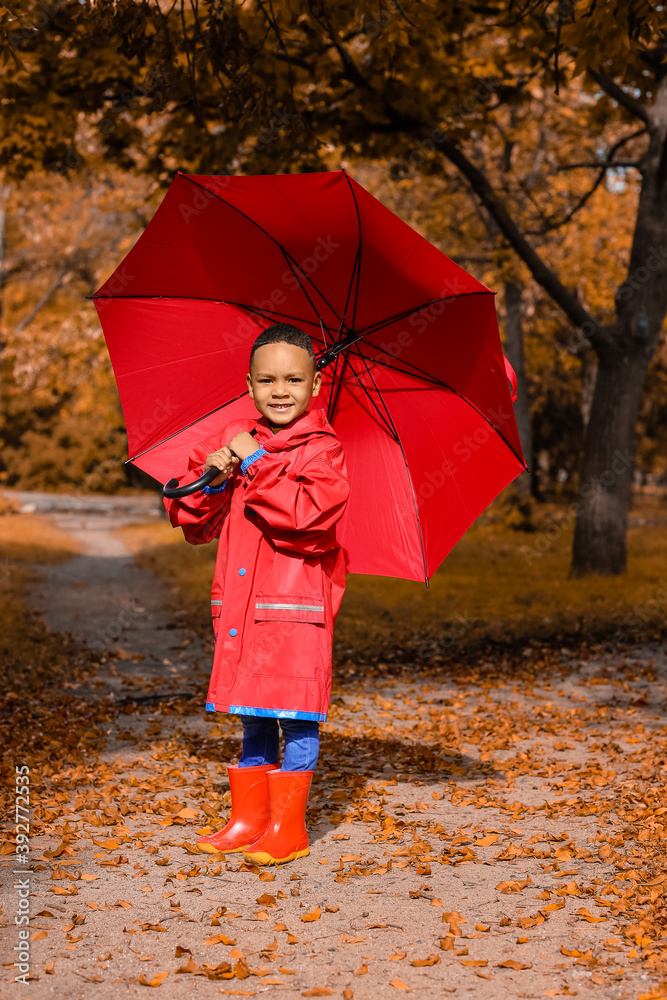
<point>497,585</point>
<point>29,538</point>
<point>31,657</point>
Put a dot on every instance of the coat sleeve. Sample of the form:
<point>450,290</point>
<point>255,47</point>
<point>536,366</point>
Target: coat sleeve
<point>298,512</point>
<point>199,515</point>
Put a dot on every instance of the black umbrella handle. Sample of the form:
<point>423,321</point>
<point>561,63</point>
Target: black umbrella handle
<point>173,491</point>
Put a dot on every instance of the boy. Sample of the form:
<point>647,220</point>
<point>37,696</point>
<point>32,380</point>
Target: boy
<point>277,588</point>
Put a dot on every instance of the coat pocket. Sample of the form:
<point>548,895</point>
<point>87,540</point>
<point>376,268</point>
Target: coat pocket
<point>290,637</point>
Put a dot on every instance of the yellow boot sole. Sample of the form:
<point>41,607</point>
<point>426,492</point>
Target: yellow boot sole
<point>210,849</point>
<point>261,858</point>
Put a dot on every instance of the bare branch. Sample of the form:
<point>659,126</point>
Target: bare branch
<point>56,283</point>
<point>629,102</point>
<point>542,274</point>
<point>496,208</point>
<point>601,166</point>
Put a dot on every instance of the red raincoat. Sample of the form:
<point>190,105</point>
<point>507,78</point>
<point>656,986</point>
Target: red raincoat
<point>280,573</point>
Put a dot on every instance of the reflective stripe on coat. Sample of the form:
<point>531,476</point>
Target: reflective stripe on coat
<point>280,574</point>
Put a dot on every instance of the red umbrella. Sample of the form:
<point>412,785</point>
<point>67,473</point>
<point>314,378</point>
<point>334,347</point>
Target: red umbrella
<point>414,379</point>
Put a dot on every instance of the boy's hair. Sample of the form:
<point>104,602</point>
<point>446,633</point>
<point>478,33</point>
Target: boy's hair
<point>287,334</point>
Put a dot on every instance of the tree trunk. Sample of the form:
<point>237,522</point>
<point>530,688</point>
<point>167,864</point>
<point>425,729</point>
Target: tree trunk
<point>624,351</point>
<point>514,346</point>
<point>609,456</point>
<point>4,197</point>
<point>589,373</point>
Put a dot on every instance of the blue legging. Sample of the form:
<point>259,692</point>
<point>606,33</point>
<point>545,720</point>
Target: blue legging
<point>260,743</point>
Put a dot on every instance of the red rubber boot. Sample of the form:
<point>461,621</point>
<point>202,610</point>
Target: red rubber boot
<point>286,837</point>
<point>250,811</point>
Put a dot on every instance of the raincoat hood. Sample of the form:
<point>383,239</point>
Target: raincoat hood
<point>309,425</point>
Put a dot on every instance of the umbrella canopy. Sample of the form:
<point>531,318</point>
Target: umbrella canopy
<point>414,379</point>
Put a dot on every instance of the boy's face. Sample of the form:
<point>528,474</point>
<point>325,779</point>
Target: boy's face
<point>282,381</point>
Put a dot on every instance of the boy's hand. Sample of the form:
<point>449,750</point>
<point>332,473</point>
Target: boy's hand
<point>243,444</point>
<point>223,460</point>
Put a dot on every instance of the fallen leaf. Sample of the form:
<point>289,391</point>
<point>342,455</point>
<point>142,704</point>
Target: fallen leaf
<point>431,960</point>
<point>586,915</point>
<point>511,963</point>
<point>398,984</point>
<point>155,981</point>
<point>241,970</point>
<point>314,915</point>
<point>515,886</point>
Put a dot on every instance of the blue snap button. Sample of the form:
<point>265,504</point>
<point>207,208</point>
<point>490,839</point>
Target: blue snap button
<point>232,631</point>
<point>241,572</point>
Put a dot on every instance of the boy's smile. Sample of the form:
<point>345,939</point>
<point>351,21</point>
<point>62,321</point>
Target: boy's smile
<point>282,382</point>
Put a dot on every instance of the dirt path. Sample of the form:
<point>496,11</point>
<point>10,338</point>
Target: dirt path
<point>469,831</point>
<point>106,601</point>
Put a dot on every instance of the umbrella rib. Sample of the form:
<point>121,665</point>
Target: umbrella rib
<point>388,419</point>
<point>356,270</point>
<point>385,419</point>
<point>339,386</point>
<point>157,295</point>
<point>181,429</point>
<point>375,327</point>
<point>267,313</point>
<point>301,286</point>
<point>270,313</point>
<point>333,383</point>
<point>357,259</point>
<point>419,372</point>
<point>397,438</point>
<point>425,377</point>
<point>282,249</point>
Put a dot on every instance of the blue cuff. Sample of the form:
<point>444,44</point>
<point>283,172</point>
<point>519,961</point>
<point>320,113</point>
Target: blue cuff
<point>211,491</point>
<point>252,458</point>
